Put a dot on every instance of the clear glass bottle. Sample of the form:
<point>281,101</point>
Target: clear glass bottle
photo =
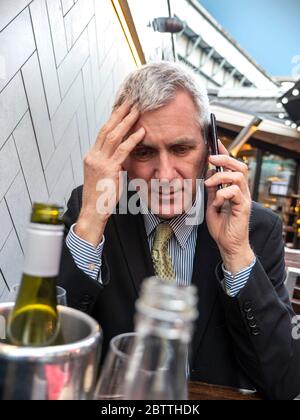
<point>157,368</point>
<point>34,320</point>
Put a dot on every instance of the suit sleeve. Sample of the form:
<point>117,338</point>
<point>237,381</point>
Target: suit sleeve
<point>260,321</point>
<point>82,290</point>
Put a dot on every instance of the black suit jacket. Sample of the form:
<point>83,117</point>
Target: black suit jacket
<point>241,342</point>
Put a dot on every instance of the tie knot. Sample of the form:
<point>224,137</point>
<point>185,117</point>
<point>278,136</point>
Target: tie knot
<point>162,235</point>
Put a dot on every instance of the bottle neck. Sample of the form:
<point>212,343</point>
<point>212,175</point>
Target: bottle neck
<point>166,310</point>
<point>175,329</point>
<point>43,250</point>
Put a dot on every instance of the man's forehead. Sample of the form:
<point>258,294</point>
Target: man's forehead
<point>180,107</point>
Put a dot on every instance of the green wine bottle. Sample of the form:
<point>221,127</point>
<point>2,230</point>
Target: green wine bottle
<point>34,321</point>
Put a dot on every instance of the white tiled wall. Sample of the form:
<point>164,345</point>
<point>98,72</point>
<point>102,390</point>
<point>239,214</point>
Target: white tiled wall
<point>61,64</point>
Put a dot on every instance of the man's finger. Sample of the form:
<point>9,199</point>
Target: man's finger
<point>124,149</point>
<point>116,117</point>
<point>233,194</point>
<point>210,173</point>
<point>115,137</point>
<point>119,114</point>
<point>228,162</point>
<point>222,151</point>
<point>222,148</point>
<point>234,178</point>
<point>211,195</point>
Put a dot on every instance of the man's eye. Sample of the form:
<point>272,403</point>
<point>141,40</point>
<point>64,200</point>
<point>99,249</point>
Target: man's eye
<point>142,154</point>
<point>180,150</point>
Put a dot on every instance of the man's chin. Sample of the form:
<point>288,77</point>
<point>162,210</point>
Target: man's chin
<point>169,207</point>
<point>166,216</point>
<point>167,212</point>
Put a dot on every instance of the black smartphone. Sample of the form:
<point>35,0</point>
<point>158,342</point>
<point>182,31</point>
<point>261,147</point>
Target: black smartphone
<point>214,142</point>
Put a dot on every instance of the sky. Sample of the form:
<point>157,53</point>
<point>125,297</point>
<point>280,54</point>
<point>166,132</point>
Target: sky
<point>268,30</point>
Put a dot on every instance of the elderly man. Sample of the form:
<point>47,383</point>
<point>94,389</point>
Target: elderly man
<point>234,255</point>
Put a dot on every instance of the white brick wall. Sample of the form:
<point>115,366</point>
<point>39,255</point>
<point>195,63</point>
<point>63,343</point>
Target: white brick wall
<point>61,64</point>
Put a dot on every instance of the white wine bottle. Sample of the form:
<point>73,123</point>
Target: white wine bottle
<point>34,321</point>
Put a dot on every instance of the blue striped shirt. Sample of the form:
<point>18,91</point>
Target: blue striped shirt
<point>181,248</point>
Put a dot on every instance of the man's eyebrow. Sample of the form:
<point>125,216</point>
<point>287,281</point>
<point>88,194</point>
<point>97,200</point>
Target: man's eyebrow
<point>187,141</point>
<point>184,140</point>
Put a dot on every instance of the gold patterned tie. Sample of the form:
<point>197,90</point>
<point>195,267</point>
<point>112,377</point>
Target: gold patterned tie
<point>160,256</point>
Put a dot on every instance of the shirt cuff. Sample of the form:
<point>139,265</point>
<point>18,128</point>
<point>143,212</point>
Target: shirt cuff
<point>85,255</point>
<point>235,283</point>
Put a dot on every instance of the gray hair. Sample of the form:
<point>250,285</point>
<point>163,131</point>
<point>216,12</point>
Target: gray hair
<point>155,85</point>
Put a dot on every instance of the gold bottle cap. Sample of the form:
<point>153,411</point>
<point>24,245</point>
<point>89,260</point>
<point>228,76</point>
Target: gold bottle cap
<point>47,214</point>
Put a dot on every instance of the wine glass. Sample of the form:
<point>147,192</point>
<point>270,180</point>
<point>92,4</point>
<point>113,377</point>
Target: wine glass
<point>60,293</point>
<point>151,379</point>
<point>112,378</point>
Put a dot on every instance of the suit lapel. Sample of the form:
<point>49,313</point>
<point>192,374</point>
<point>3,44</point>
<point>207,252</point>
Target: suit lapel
<point>134,243</point>
<point>206,259</point>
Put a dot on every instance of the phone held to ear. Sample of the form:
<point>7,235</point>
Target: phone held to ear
<point>214,142</point>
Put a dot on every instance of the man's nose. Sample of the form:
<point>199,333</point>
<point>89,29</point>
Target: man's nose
<point>165,168</point>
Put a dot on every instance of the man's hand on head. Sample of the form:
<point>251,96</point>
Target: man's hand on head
<point>102,167</point>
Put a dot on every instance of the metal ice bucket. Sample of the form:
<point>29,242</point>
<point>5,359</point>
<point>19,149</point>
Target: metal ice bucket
<point>66,372</point>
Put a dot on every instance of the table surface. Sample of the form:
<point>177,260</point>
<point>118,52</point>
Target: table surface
<point>201,391</point>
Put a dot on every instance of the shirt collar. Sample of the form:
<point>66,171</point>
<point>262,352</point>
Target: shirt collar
<point>183,224</point>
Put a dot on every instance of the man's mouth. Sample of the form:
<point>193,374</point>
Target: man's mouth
<point>171,193</point>
<point>168,196</point>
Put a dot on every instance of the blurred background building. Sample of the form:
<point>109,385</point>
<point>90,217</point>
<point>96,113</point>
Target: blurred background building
<point>61,63</point>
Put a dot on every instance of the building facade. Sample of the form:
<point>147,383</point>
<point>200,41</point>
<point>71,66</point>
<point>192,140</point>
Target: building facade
<point>61,64</point>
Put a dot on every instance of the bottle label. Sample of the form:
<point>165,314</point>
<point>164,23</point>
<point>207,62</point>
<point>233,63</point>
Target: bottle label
<point>43,250</point>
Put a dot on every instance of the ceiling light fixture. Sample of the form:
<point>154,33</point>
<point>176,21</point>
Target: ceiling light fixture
<point>167,25</point>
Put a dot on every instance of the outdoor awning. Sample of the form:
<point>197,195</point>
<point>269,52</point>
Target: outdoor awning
<point>270,131</point>
<point>291,102</point>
